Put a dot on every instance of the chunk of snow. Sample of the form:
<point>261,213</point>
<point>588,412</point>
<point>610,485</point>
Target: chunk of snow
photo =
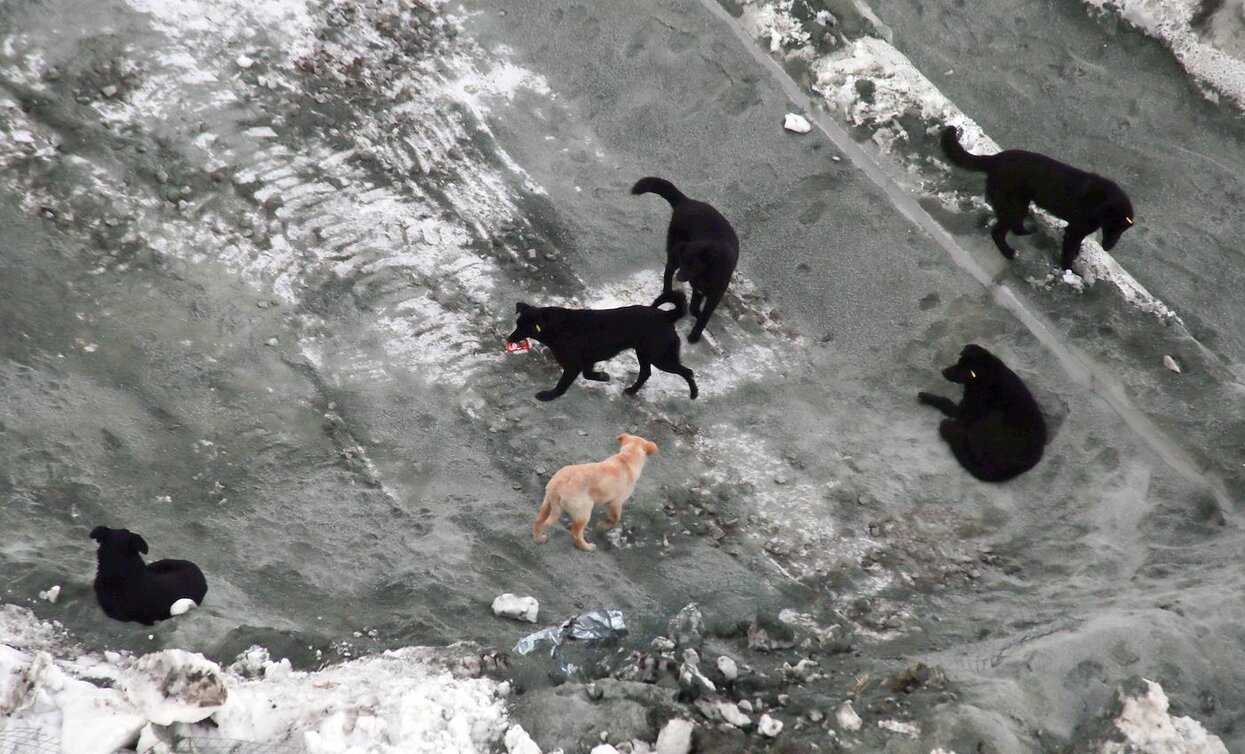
<point>1171,364</point>
<point>894,726</point>
<point>796,123</point>
<point>182,606</point>
<point>519,742</point>
<point>517,608</point>
<point>54,593</point>
<point>675,737</point>
<point>1150,729</point>
<point>769,727</point>
<point>847,717</point>
<point>728,668</point>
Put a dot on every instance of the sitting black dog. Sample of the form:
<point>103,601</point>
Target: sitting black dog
<point>130,590</point>
<point>1015,177</point>
<point>579,338</point>
<point>997,432</point>
<point>700,245</point>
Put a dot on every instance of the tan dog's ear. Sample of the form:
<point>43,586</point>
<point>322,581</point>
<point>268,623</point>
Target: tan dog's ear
<point>650,447</point>
<point>623,437</point>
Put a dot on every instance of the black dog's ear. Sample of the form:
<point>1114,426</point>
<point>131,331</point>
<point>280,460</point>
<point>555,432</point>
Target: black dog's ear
<point>521,307</point>
<point>99,533</point>
<point>136,544</point>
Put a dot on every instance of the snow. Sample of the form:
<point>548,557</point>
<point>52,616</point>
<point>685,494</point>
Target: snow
<point>675,737</point>
<point>1172,22</point>
<point>768,726</point>
<point>847,718</point>
<point>406,700</point>
<point>518,608</point>
<point>182,606</point>
<point>796,123</point>
<point>1148,728</point>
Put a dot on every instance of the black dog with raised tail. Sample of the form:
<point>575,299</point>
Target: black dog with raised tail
<point>1014,178</point>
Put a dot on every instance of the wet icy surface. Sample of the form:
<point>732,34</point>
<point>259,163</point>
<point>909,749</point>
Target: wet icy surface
<point>259,262</point>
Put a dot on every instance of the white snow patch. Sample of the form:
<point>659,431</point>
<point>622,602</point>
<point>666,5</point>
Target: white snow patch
<point>773,23</point>
<point>847,718</point>
<point>404,700</point>
<point>796,123</point>
<point>52,594</point>
<point>1149,729</point>
<point>1216,63</point>
<point>182,606</point>
<point>515,607</point>
<point>902,728</point>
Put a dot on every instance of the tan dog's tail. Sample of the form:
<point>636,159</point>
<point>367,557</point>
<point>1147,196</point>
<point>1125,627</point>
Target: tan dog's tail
<point>547,516</point>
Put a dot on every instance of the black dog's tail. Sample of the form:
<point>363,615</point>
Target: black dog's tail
<point>672,297</point>
<point>961,156</point>
<point>660,186</point>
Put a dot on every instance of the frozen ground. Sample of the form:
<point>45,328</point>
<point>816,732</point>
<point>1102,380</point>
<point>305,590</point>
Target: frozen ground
<point>259,259</point>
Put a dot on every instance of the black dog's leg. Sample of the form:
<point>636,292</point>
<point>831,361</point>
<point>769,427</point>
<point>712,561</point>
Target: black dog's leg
<point>1019,227</point>
<point>943,404</point>
<point>667,279</point>
<point>674,367</point>
<point>1072,237</point>
<point>645,372</point>
<point>694,305</point>
<point>1008,213</point>
<point>568,376</point>
<point>591,374</point>
<point>702,317</point>
<point>953,432</point>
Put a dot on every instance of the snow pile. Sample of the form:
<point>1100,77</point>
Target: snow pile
<point>1148,728</point>
<point>406,700</point>
<point>1172,22</point>
<point>773,24</point>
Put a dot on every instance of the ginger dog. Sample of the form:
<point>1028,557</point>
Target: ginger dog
<point>578,488</point>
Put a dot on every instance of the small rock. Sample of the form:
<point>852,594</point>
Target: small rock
<point>109,91</point>
<point>1171,364</point>
<point>894,726</point>
<point>687,628</point>
<point>273,341</point>
<point>728,668</point>
<point>796,123</point>
<point>745,705</point>
<point>51,595</point>
<point>244,62</point>
<point>516,608</point>
<point>769,727</point>
<point>847,717</point>
<point>675,737</point>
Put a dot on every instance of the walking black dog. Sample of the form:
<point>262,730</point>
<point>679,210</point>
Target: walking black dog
<point>579,338</point>
<point>1015,177</point>
<point>997,431</point>
<point>130,590</point>
<point>700,245</point>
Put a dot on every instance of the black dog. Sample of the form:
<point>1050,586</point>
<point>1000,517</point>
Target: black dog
<point>1015,177</point>
<point>997,432</point>
<point>130,590</point>
<point>700,244</point>
<point>579,338</point>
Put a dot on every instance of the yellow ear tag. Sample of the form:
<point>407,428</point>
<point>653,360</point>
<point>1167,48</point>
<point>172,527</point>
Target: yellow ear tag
<point>1128,220</point>
<point>537,328</point>
<point>972,374</point>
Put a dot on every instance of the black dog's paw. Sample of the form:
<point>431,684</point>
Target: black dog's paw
<point>695,392</point>
<point>1021,230</point>
<point>928,399</point>
<point>598,376</point>
<point>693,336</point>
<point>1009,253</point>
<point>546,395</point>
<point>632,390</point>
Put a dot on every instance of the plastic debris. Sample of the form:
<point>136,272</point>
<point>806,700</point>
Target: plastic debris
<point>521,347</point>
<point>591,628</point>
<point>796,123</point>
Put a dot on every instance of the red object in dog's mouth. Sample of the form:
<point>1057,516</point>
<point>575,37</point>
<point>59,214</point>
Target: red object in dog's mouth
<point>521,347</point>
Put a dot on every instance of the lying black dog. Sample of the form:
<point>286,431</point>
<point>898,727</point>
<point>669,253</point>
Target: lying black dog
<point>1015,177</point>
<point>130,590</point>
<point>997,432</point>
<point>579,338</point>
<point>700,244</point>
